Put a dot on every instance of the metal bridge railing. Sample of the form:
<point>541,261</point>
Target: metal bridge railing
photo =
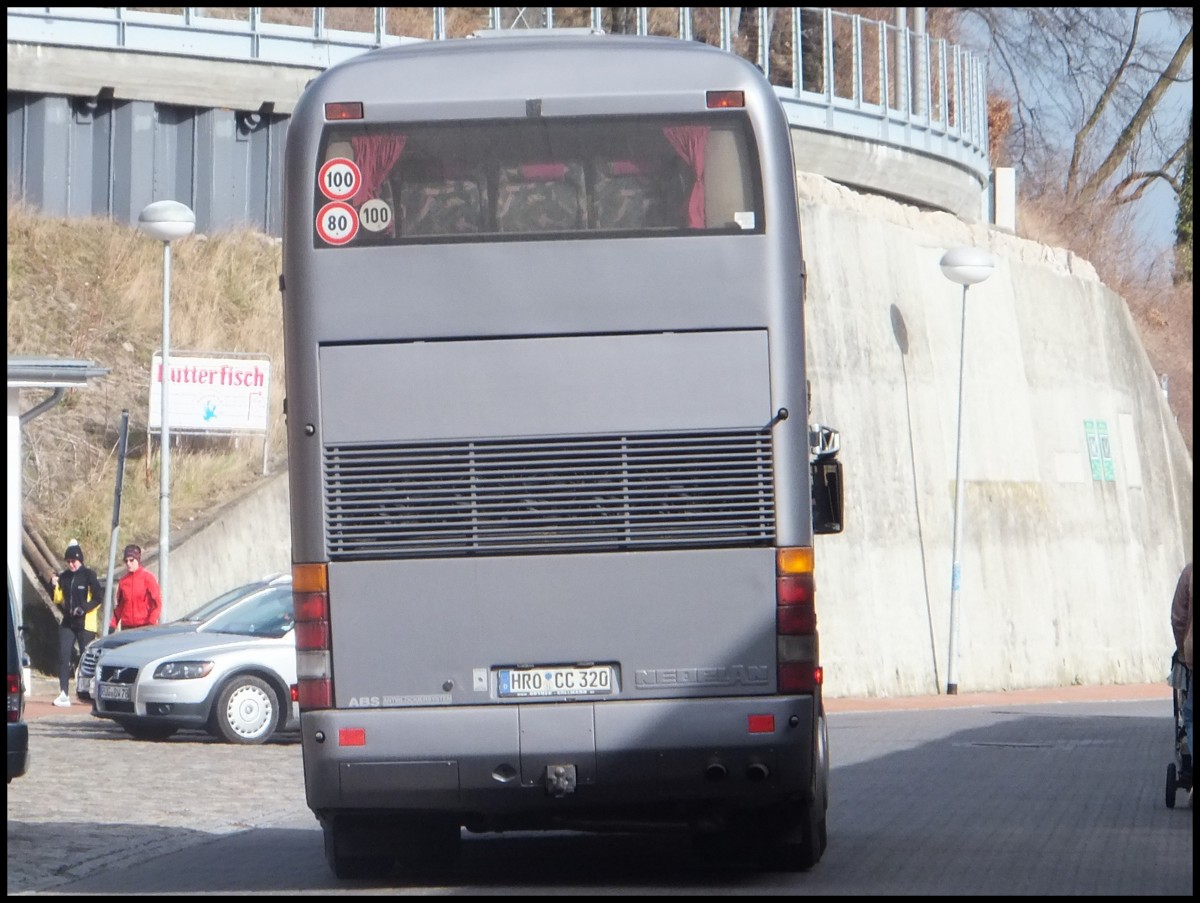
<point>834,71</point>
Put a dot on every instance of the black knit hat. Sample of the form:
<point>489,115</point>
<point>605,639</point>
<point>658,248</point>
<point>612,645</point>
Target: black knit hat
<point>132,551</point>
<point>74,553</point>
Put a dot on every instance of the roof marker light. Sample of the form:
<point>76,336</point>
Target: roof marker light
<point>721,99</point>
<point>335,112</point>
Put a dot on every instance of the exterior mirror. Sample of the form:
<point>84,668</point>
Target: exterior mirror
<point>827,495</point>
<point>824,445</point>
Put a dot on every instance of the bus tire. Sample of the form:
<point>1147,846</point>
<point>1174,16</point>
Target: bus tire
<point>797,838</point>
<point>426,845</point>
<point>351,852</point>
<point>800,846</point>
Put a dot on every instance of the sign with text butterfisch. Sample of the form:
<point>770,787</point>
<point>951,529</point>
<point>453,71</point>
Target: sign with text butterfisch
<point>226,394</point>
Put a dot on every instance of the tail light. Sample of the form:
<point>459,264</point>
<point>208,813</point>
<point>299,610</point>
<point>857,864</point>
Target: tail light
<point>797,659</point>
<point>310,600</point>
<point>16,698</point>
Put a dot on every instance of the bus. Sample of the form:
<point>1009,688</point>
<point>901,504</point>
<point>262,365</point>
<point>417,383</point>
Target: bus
<point>552,477</point>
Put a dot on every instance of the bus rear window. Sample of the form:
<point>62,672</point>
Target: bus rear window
<point>559,178</point>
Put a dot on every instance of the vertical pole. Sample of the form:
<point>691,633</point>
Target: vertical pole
<point>110,584</point>
<point>956,571</point>
<point>164,435</point>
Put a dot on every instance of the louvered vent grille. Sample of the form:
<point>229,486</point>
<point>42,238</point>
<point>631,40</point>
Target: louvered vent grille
<point>507,496</point>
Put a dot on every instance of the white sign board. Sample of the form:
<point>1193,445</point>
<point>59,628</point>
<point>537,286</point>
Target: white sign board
<point>217,394</point>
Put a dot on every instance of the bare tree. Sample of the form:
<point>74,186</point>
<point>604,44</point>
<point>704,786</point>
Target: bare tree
<point>1087,87</point>
<point>1183,217</point>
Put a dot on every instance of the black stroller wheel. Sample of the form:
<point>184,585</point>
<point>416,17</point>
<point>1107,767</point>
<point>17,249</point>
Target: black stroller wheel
<point>1172,784</point>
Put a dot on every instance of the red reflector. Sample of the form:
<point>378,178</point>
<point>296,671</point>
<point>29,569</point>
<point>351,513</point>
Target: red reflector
<point>718,99</point>
<point>336,111</point>
<point>352,736</point>
<point>312,635</point>
<point>799,677</point>
<point>790,620</point>
<point>315,693</point>
<point>760,724</point>
<point>295,693</point>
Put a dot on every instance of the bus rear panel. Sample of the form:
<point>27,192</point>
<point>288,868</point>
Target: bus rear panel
<point>549,449</point>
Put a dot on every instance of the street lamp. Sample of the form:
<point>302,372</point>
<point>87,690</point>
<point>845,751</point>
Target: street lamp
<point>165,221</point>
<point>966,266</point>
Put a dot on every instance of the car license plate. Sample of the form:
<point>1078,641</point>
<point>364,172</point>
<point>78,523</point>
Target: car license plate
<point>118,692</point>
<point>592,680</point>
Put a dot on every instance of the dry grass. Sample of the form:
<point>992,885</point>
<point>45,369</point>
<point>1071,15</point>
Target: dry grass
<point>92,290</point>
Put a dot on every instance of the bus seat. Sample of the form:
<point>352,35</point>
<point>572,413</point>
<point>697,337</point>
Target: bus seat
<point>442,199</point>
<point>339,149</point>
<point>540,197</point>
<point>626,194</point>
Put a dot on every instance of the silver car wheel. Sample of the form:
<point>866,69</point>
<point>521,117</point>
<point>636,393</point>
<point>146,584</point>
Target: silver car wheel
<point>250,711</point>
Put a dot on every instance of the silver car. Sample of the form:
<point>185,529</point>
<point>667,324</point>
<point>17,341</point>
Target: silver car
<point>236,678</point>
<point>193,621</point>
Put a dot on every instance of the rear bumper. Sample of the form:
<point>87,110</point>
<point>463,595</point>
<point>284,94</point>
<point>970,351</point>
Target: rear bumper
<point>666,760</point>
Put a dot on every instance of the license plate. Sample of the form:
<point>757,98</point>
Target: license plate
<point>593,680</point>
<point>119,692</point>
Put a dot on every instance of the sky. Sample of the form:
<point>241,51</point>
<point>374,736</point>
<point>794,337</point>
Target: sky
<point>1159,206</point>
<point>1155,212</point>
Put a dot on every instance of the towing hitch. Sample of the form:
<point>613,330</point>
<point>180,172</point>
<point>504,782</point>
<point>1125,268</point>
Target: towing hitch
<point>560,780</point>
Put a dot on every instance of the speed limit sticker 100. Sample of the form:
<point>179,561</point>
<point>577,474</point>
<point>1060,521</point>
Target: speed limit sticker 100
<point>337,223</point>
<point>339,179</point>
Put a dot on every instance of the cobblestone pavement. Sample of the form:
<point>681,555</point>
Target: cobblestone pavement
<point>58,836</point>
<point>141,800</point>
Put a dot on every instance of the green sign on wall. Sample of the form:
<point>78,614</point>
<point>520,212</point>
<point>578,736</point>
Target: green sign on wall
<point>1099,450</point>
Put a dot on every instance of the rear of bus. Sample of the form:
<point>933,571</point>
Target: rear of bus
<point>549,451</point>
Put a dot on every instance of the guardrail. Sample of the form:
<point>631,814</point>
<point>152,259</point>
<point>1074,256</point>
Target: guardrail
<point>834,71</point>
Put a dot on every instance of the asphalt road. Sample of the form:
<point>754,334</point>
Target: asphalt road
<point>996,794</point>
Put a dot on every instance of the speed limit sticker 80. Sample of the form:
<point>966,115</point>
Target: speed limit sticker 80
<point>337,223</point>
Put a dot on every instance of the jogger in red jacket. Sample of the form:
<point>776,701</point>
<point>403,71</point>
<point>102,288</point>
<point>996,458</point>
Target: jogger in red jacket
<point>139,600</point>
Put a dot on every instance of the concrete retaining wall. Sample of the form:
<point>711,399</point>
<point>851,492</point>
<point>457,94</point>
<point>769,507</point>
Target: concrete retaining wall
<point>1066,579</point>
<point>246,540</point>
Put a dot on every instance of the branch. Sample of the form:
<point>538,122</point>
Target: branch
<point>1125,140</point>
<point>998,43</point>
<point>1146,179</point>
<point>1098,110</point>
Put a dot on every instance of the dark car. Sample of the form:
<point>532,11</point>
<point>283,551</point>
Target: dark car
<point>193,621</point>
<point>18,730</point>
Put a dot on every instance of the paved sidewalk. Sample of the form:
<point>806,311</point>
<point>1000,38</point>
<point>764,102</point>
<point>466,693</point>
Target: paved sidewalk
<point>40,701</point>
<point>1038,696</point>
<point>39,704</point>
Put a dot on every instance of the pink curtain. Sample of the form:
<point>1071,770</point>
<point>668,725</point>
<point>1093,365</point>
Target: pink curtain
<point>689,142</point>
<point>375,156</point>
